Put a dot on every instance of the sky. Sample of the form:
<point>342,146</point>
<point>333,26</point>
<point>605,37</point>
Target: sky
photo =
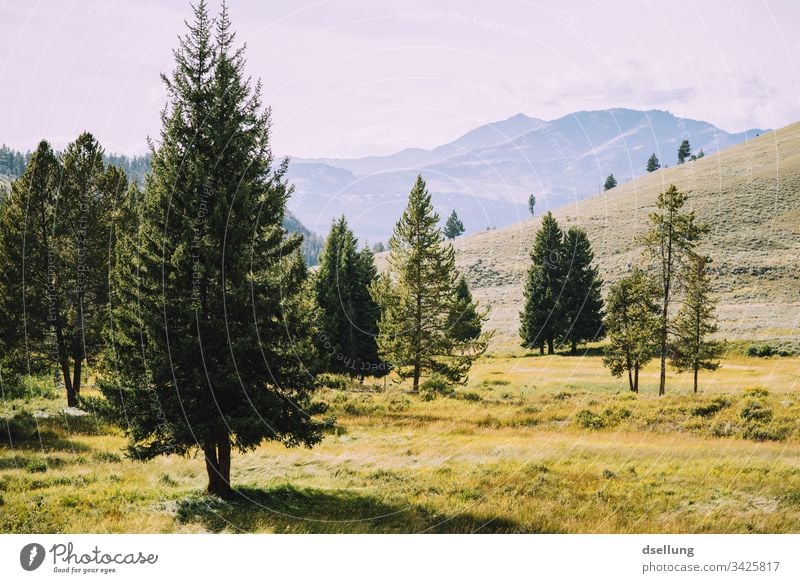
<point>355,78</point>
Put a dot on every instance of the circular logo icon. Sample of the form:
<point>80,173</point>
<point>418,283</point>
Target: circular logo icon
<point>31,556</point>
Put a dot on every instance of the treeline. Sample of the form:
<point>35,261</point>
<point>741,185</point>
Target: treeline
<point>189,301</point>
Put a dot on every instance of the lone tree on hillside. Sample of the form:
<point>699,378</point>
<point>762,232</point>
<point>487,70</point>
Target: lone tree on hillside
<point>542,317</point>
<point>213,318</point>
<point>668,247</point>
<point>418,297</point>
<point>581,299</point>
<point>349,320</point>
<point>652,163</point>
<point>57,225</point>
<point>531,204</point>
<point>684,151</point>
<point>632,326</point>
<point>695,321</point>
<point>610,183</point>
<point>454,227</point>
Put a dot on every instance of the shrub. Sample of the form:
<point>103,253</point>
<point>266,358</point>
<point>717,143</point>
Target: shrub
<point>759,432</point>
<point>29,387</point>
<point>333,381</point>
<point>759,350</point>
<point>469,396</point>
<point>611,417</point>
<point>754,411</point>
<point>35,465</point>
<point>436,386</point>
<point>757,392</point>
<point>589,420</point>
<point>716,405</point>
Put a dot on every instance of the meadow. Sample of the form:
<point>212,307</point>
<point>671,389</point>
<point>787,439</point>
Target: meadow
<point>531,444</point>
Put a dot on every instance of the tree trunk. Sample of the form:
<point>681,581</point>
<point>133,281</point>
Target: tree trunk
<point>76,377</point>
<point>662,379</point>
<point>218,466</point>
<point>695,379</point>
<point>550,346</point>
<point>636,377</point>
<point>574,346</point>
<point>630,381</point>
<point>541,349</point>
<point>63,363</point>
<point>415,387</point>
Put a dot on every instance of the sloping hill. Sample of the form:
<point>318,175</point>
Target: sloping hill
<point>750,196</point>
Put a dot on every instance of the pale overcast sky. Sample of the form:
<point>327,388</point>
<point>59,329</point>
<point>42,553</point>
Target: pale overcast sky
<point>352,78</point>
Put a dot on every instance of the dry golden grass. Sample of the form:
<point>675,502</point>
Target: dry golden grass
<point>531,444</point>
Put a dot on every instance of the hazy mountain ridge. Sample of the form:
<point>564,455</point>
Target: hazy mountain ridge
<point>487,173</point>
<point>749,195</point>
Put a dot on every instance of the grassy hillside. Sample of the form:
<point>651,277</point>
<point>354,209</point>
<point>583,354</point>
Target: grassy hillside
<point>749,194</point>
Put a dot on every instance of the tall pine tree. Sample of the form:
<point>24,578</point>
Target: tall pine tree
<point>632,326</point>
<point>653,163</point>
<point>542,318</point>
<point>417,297</point>
<point>581,299</point>
<point>349,321</point>
<point>453,227</point>
<point>696,320</point>
<point>213,315</point>
<point>55,248</point>
<point>668,247</point>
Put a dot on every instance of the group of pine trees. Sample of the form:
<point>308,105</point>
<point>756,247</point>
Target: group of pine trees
<point>640,324</point>
<point>563,302</point>
<point>189,296</point>
<point>196,304</point>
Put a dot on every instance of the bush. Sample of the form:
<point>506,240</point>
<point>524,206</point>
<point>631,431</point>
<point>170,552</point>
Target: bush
<point>759,432</point>
<point>716,405</point>
<point>28,387</point>
<point>757,392</point>
<point>436,386</point>
<point>609,418</point>
<point>469,396</point>
<point>759,350</point>
<point>754,411</point>
<point>334,381</point>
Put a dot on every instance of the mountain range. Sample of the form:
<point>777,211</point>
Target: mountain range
<point>487,174</point>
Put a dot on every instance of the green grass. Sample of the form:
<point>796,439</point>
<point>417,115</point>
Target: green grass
<point>559,447</point>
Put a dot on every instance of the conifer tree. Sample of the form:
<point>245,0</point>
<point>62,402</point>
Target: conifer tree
<point>695,321</point>
<point>55,247</point>
<point>465,321</point>
<point>632,326</point>
<point>668,247</point>
<point>581,299</point>
<point>684,151</point>
<point>531,204</point>
<point>417,296</point>
<point>454,227</point>
<point>653,163</point>
<point>610,183</point>
<point>213,317</point>
<point>542,317</point>
<point>349,315</point>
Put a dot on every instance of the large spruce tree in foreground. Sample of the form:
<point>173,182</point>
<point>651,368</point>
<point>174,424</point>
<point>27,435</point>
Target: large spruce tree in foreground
<point>212,327</point>
<point>349,319</point>
<point>417,297</point>
<point>57,227</point>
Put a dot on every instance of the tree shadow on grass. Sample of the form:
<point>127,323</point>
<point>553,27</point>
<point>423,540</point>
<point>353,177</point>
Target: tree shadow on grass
<point>286,509</point>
